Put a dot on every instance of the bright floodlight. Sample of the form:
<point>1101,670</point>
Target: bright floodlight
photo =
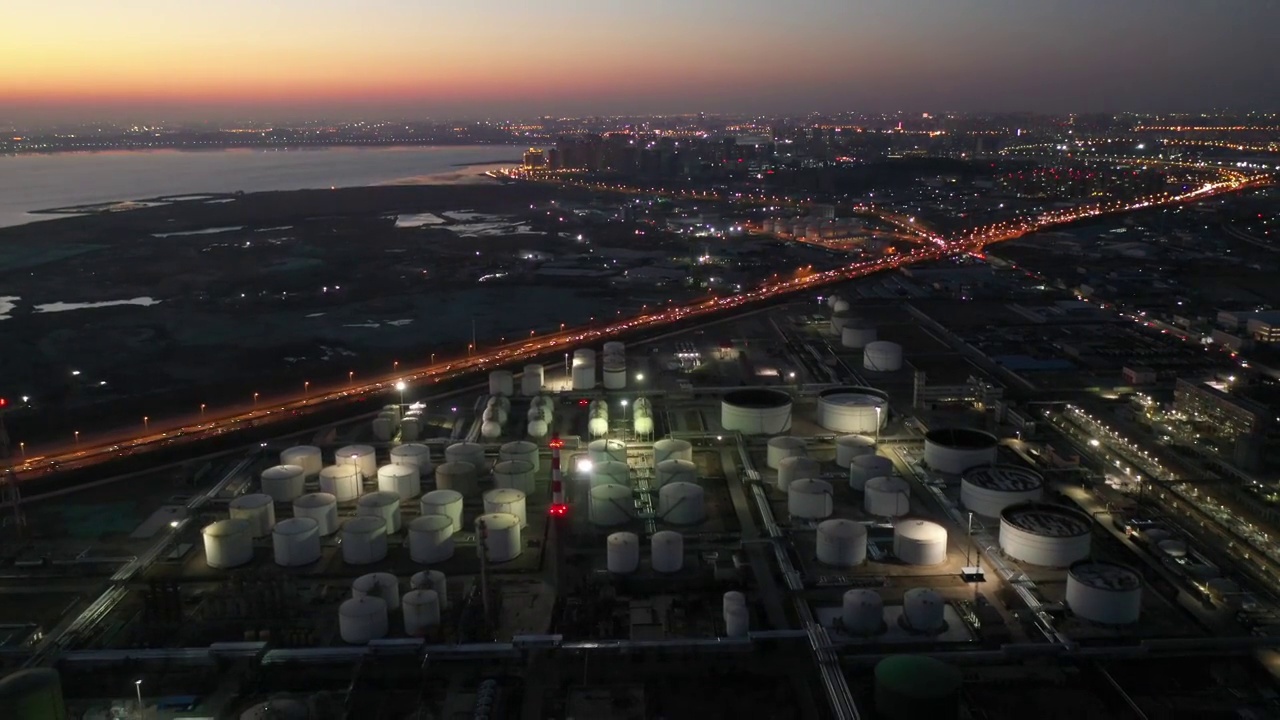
<point>400,386</point>
<point>584,466</point>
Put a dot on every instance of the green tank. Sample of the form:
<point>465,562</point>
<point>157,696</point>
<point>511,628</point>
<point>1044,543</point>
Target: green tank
<point>909,687</point>
<point>32,695</point>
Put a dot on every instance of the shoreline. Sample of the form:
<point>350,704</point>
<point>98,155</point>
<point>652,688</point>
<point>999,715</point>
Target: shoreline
<point>281,147</point>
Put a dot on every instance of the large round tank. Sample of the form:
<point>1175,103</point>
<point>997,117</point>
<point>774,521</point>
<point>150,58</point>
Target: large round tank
<point>228,544</point>
<point>882,356</point>
<point>737,622</point>
<point>431,539</point>
<point>796,468</point>
<point>865,467</point>
<point>614,375</point>
<point>681,503</point>
<point>383,429</point>
<point>809,499</point>
<point>1045,534</point>
<point>378,584</point>
<point>887,497</point>
<point>857,335</point>
<point>257,509</point>
<point>531,380</point>
<point>584,356</point>
<point>467,452</point>
<point>507,500</point>
<point>308,457</point>
<point>1104,592</point>
<point>849,447</point>
<point>33,694</point>
<point>607,451</point>
<point>674,470</point>
<point>954,450</point>
<point>756,411</point>
<point>842,543</point>
<point>432,580</point>
<point>411,429</point>
<point>321,507</point>
<point>363,457</point>
<point>516,474</point>
<point>421,612</point>
<point>443,502</point>
<point>862,612</point>
<point>296,541</point>
<point>501,383</point>
<point>584,377</point>
<point>919,542</point>
<point>611,505</point>
<point>615,349</point>
<point>783,447</point>
<point>284,483</point>
<point>622,552</point>
<point>362,619</point>
<point>988,489</point>
<point>522,451</point>
<point>538,428</point>
<point>341,481</point>
<point>666,551</point>
<point>605,473</point>
<point>597,426</point>
<point>910,687</point>
<point>364,540</point>
<point>457,475</point>
<point>923,611</point>
<point>672,449</point>
<point>401,480</point>
<point>385,505</point>
<point>413,454</point>
<point>852,409</point>
<point>501,536</point>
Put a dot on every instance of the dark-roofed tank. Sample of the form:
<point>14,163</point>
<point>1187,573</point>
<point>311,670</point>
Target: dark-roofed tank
<point>913,687</point>
<point>34,694</point>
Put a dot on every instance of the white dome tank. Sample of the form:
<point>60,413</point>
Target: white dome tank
<point>988,489</point>
<point>538,428</point>
<point>857,335</point>
<point>411,429</point>
<point>363,457</point>
<point>501,383</point>
<point>919,542</point>
<point>672,449</point>
<point>887,497</point>
<point>737,622</point>
<point>866,467</point>
<point>597,426</point>
<point>341,481</point>
<point>849,447</point>
<point>385,505</point>
<point>681,503</point>
<point>507,500</point>
<point>432,580</point>
<point>284,483</point>
<point>490,430</point>
<point>421,612</point>
<point>840,305</point>
<point>443,502</point>
<point>499,402</point>
<point>460,476</point>
<point>430,539</point>
<point>923,611</point>
<point>666,551</point>
<point>228,544</point>
<point>584,377</point>
<point>543,402</point>
<point>383,429</point>
<point>862,612</point>
<point>401,480</point>
<point>361,620</point>
<point>882,356</point>
<point>756,411</point>
<point>308,457</point>
<point>321,507</point>
<point>1045,534</point>
<point>842,543</point>
<point>296,541</point>
<point>521,450</point>
<point>782,447</point>
<point>606,473</point>
<point>502,541</point>
<point>1104,592</point>
<point>531,380</point>
<point>674,470</point>
<point>611,505</point>
<point>955,450</point>
<point>622,553</point>
<point>467,452</point>
<point>607,451</point>
<point>378,584</point>
<point>809,499</point>
<point>796,468</point>
<point>642,425</point>
<point>516,474</point>
<point>364,540</point>
<point>852,409</point>
<point>258,509</point>
<point>413,454</point>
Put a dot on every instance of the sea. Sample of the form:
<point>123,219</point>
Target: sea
<point>43,182</point>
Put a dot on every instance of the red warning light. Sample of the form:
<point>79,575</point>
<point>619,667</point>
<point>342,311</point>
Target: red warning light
<point>584,401</point>
<point>558,510</point>
<point>4,402</point>
<point>556,443</point>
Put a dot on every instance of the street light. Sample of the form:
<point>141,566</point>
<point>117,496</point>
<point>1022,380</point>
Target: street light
<point>202,406</point>
<point>351,376</point>
<point>146,423</point>
<point>878,411</point>
<point>77,437</point>
<point>401,386</point>
<point>306,389</point>
<point>255,399</point>
<point>137,685</point>
<point>639,377</point>
<point>22,447</point>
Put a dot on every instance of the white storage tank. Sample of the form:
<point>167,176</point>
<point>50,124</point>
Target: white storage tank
<point>501,383</point>
<point>1104,592</point>
<point>887,497</point>
<point>666,551</point>
<point>615,349</point>
<point>507,500</point>
<point>490,430</point>
<point>364,540</point>
<point>732,599</point>
<point>882,356</point>
<point>919,542</point>
<point>853,409</point>
<point>987,490</point>
<point>341,481</point>
<point>605,473</point>
<point>622,553</point>
<point>611,505</point>
<point>467,452</point>
<point>840,305</point>
<point>414,454</point>
<point>258,509</point>
<point>520,450</point>
<point>809,499</point>
<point>421,612</point>
<point>361,620</point>
<point>516,474</point>
<point>584,356</point>
<point>672,449</point>
<point>401,480</point>
<point>842,543</point>
<point>1045,534</point>
<point>923,611</point>
<point>385,505</point>
<point>796,468</point>
<point>954,450</point>
<point>383,429</point>
<point>432,580</point>
<point>841,319</point>
<point>430,539</point>
<point>614,375</point>
<point>607,451</point>
<point>443,502</point>
<point>500,535</point>
<point>866,467</point>
<point>584,377</point>
<point>782,447</point>
<point>500,402</point>
<point>737,622</point>
<point>362,457</point>
<point>228,544</point>
<point>642,425</point>
<point>756,411</point>
<point>296,541</point>
<point>411,429</point>
<point>308,457</point>
<point>862,612</point>
<point>681,503</point>
<point>597,426</point>
<point>857,335</point>
<point>538,428</point>
<point>849,447</point>
<point>531,380</point>
<point>674,470</point>
<point>284,483</point>
<point>321,507</point>
<point>460,476</point>
<point>378,584</point>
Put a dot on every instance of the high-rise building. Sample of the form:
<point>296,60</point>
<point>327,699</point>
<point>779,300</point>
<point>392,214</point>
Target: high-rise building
<point>534,159</point>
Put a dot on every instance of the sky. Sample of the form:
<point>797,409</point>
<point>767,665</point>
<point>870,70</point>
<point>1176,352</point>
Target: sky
<point>339,59</point>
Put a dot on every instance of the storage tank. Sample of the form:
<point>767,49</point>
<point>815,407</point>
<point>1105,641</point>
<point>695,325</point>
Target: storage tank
<point>385,505</point>
<point>842,543</point>
<point>611,505</point>
<point>321,507</point>
<point>919,542</point>
<point>849,447</point>
<point>33,694</point>
<point>584,356</point>
<point>809,499</point>
<point>732,599</point>
<point>520,450</point>
<point>296,541</point>
<point>840,305</point>
<point>862,612</point>
<point>431,539</point>
<point>361,620</point>
<point>415,455</point>
<point>737,622</point>
<point>257,509</point>
<point>857,335</point>
<point>1045,534</point>
<point>380,585</point>
<point>421,612</point>
<point>887,497</point>
<point>538,428</point>
<point>501,536</point>
<point>490,430</point>
<point>987,490</point>
<point>597,426</point>
<point>364,540</point>
<point>666,551</point>
<point>584,377</point>
<point>622,553</point>
<point>401,480</point>
<point>284,483</point>
<point>516,474</point>
<point>865,467</point>
<point>501,383</point>
<point>783,447</point>
<point>616,473</point>
<point>443,502</point>
<point>362,457</point>
<point>411,429</point>
<point>531,380</point>
<point>1173,548</point>
<point>432,580</point>
<point>341,481</point>
<point>674,470</point>
<point>681,503</point>
<point>615,348</point>
<point>460,476</point>
<point>228,544</point>
<point>672,449</point>
<point>494,414</point>
<point>467,452</point>
<point>507,500</point>
<point>383,429</point>
<point>642,425</point>
<point>882,356</point>
<point>923,611</point>
<point>911,687</point>
<point>796,468</point>
<point>607,450</point>
<point>853,409</point>
<point>756,411</point>
<point>308,457</point>
<point>614,375</point>
<point>500,402</point>
<point>841,319</point>
<point>1104,592</point>
<point>954,450</point>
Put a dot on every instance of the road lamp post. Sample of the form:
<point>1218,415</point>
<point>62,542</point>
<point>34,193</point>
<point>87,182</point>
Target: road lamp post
<point>22,448</point>
<point>202,406</point>
<point>137,685</point>
<point>146,423</point>
<point>351,377</point>
<point>306,389</point>
<point>401,386</point>
<point>433,358</point>
<point>878,411</point>
<point>624,412</point>
<point>255,399</point>
<point>77,438</point>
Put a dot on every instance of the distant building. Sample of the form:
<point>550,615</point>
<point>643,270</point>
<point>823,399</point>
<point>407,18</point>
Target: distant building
<point>1138,375</point>
<point>534,159</point>
<point>1260,326</point>
<point>1218,414</point>
<point>823,211</point>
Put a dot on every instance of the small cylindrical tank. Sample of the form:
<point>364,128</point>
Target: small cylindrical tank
<point>498,535</point>
<point>443,502</point>
<point>681,503</point>
<point>284,483</point>
<point>361,620</point>
<point>522,451</point>
<point>321,507</point>
<point>622,552</point>
<point>507,500</point>
<point>308,457</point>
<point>674,470</point>
<point>809,499</point>
<point>887,497</point>
<point>364,540</point>
<point>378,584</point>
<point>919,542</point>
<point>415,454</point>
<point>531,380</point>
<point>666,551</point>
<point>228,544</point>
<point>516,474</point>
<point>33,694</point>
<point>610,472</point>
<point>841,542</point>
<point>296,541</point>
<point>501,382</point>
<point>923,611</point>
<point>341,481</point>
<point>737,622</point>
<point>432,580</point>
<point>363,457</point>
<point>385,505</point>
<point>458,475</point>
<point>430,539</point>
<point>411,428</point>
<point>258,509</point>
<point>849,447</point>
<point>400,479</point>
<point>611,505</point>
<point>467,452</point>
<point>910,687</point>
<point>784,446</point>
<point>796,468</point>
<point>862,612</point>
<point>421,612</point>
<point>672,449</point>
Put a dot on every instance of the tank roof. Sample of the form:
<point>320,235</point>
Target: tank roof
<point>1003,478</point>
<point>757,398</point>
<point>1047,520</point>
<point>961,438</point>
<point>1102,575</point>
<point>854,396</point>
